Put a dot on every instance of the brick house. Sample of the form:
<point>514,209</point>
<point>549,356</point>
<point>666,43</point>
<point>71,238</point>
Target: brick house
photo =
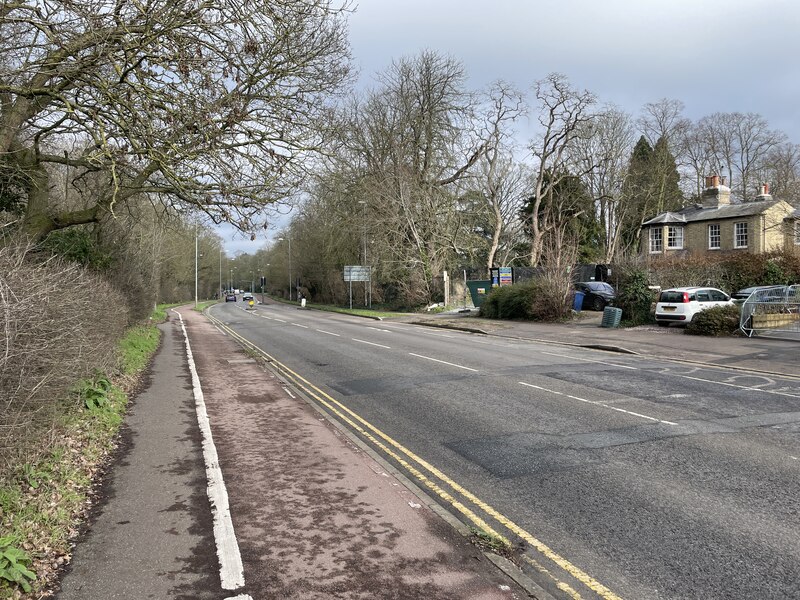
<point>760,225</point>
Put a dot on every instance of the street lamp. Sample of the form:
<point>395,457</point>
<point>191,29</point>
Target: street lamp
<point>363,204</point>
<point>289,240</point>
<point>263,281</point>
<point>195,263</point>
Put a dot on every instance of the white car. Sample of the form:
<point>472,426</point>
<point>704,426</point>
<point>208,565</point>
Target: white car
<point>679,305</point>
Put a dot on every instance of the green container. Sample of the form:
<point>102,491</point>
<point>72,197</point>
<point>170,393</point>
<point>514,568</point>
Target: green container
<point>478,290</point>
<point>611,317</point>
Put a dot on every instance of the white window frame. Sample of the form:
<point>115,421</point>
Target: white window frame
<point>656,240</point>
<point>738,235</point>
<point>717,236</point>
<point>675,237</point>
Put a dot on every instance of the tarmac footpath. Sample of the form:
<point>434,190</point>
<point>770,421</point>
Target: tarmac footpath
<point>311,515</point>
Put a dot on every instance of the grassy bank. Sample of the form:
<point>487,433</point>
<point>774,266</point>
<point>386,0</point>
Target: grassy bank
<point>43,502</point>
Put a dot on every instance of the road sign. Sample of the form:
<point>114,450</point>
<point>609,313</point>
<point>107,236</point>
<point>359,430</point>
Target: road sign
<point>357,273</point>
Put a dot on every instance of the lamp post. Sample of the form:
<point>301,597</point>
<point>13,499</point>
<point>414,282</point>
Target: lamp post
<point>289,241</point>
<point>264,281</point>
<point>195,262</point>
<point>363,204</point>
<point>219,289</point>
<point>230,280</point>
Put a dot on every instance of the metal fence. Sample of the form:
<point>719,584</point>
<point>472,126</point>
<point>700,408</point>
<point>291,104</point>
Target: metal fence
<point>771,309</point>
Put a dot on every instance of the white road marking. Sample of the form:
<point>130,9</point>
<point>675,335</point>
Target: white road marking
<point>285,389</point>
<point>600,404</point>
<point>793,457</point>
<point>328,332</point>
<point>231,570</point>
<point>590,360</point>
<point>277,319</point>
<point>741,387</point>
<point>298,325</point>
<point>220,330</point>
<point>371,343</point>
<point>379,329</point>
<point>240,597</point>
<point>444,362</point>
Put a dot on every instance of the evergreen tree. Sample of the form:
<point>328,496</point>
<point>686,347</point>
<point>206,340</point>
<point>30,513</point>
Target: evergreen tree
<point>651,187</point>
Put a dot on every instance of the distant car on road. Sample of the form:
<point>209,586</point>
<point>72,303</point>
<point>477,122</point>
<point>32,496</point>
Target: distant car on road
<point>679,305</point>
<point>596,294</point>
<point>247,297</point>
<point>230,297</point>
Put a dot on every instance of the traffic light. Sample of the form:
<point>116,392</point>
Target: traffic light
<point>263,281</point>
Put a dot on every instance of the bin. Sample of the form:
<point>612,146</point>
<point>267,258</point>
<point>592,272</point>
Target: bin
<point>577,302</point>
<point>611,317</point>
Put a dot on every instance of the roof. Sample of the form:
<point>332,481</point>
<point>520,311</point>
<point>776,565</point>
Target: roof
<point>696,212</point>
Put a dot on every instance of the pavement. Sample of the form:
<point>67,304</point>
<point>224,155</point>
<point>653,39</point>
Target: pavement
<point>313,514</point>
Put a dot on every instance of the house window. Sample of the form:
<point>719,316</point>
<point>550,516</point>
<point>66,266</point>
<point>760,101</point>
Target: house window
<point>714,238</point>
<point>740,235</point>
<point>675,238</point>
<point>656,239</point>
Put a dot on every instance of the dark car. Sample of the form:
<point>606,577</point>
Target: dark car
<point>230,297</point>
<point>774,291</point>
<point>596,294</point>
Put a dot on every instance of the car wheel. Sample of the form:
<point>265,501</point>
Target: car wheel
<point>598,303</point>
<point>663,323</point>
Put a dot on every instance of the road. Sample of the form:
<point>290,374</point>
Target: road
<point>619,476</point>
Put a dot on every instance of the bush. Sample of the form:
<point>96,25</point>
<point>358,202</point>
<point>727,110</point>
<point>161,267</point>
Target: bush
<point>509,302</point>
<point>634,296</point>
<point>716,321</point>
<point>60,324</point>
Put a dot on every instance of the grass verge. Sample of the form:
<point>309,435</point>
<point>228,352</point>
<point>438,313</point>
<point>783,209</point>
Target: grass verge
<point>44,501</point>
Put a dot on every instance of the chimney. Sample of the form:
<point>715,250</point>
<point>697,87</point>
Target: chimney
<point>763,193</point>
<point>716,194</point>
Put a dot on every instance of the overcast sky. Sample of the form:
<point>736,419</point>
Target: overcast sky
<point>714,56</point>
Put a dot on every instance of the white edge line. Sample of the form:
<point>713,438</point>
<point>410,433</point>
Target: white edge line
<point>444,362</point>
<point>231,570</point>
<point>328,333</point>
<point>371,343</point>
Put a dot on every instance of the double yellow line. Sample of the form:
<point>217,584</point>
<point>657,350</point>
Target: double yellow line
<point>403,455</point>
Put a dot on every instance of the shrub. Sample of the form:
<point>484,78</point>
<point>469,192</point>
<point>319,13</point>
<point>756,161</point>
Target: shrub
<point>509,302</point>
<point>60,324</point>
<point>634,296</point>
<point>716,321</point>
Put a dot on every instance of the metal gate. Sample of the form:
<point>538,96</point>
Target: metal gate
<point>774,308</point>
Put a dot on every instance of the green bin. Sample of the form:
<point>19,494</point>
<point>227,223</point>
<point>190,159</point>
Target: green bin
<point>478,290</point>
<point>611,317</point>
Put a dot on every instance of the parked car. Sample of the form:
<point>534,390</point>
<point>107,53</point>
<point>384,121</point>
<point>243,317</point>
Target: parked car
<point>596,294</point>
<point>774,290</point>
<point>680,305</point>
<point>230,297</point>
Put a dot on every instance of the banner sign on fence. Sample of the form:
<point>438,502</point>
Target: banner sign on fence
<point>357,273</point>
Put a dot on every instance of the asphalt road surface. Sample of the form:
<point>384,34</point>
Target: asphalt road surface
<point>617,476</point>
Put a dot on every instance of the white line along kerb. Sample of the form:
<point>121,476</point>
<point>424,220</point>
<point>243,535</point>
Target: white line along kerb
<point>231,571</point>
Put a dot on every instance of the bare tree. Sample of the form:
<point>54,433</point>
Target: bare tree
<point>408,146</point>
<point>601,152</point>
<point>208,105</point>
<point>563,112</point>
<point>739,143</point>
<point>501,183</point>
